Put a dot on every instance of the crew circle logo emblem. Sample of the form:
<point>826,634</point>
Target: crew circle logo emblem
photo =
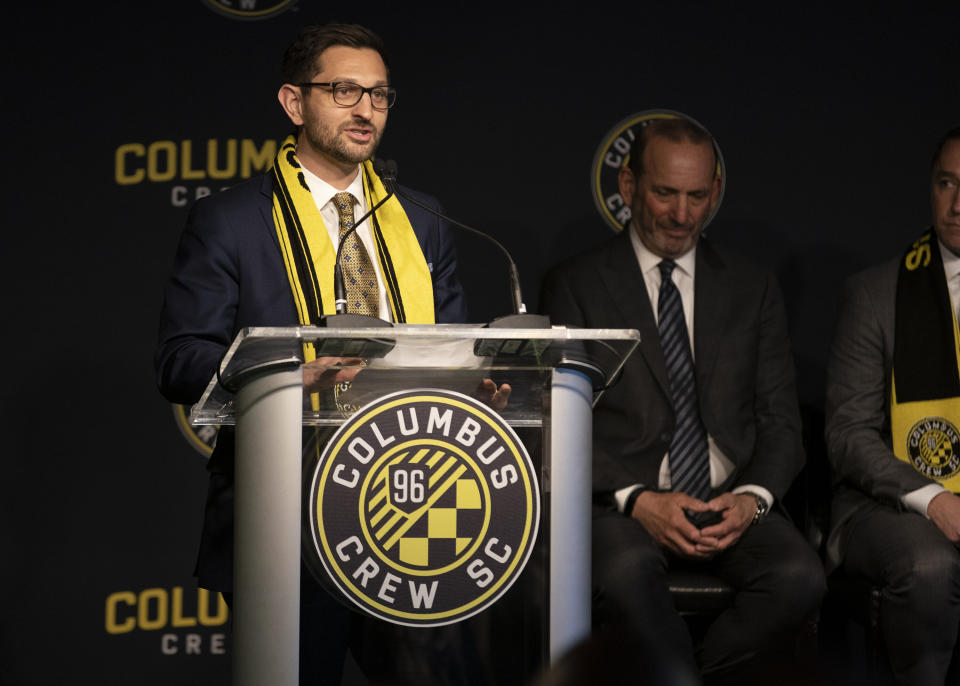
<point>424,507</point>
<point>934,448</point>
<point>614,153</point>
<point>201,438</point>
<point>250,9</point>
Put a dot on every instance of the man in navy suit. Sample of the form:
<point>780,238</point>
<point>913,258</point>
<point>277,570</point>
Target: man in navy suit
<point>230,273</point>
<point>712,383</point>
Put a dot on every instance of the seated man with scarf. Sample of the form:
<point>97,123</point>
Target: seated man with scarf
<point>262,254</point>
<point>893,435</point>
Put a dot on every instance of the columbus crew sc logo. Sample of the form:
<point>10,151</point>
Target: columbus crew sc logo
<point>250,9</point>
<point>424,507</point>
<point>614,153</point>
<point>934,448</point>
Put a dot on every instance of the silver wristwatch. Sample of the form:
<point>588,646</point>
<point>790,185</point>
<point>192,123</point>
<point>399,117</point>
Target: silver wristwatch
<point>761,510</point>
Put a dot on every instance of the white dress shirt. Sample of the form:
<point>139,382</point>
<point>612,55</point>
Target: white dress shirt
<point>323,194</point>
<point>919,499</point>
<point>683,276</point>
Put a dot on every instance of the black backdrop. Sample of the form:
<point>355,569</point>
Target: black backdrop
<point>826,116</point>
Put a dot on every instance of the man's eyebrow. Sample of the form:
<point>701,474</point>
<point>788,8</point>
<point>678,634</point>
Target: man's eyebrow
<point>670,189</point>
<point>354,79</point>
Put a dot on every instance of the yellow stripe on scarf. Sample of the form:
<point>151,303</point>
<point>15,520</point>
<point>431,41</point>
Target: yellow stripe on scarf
<point>926,433</point>
<point>309,255</point>
<point>406,259</point>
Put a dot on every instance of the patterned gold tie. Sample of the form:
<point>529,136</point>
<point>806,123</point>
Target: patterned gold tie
<point>359,277</point>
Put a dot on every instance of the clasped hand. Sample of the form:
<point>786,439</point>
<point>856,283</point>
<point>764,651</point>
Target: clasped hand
<point>664,517</point>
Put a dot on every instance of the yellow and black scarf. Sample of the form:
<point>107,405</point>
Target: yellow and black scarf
<point>925,392</point>
<point>309,256</point>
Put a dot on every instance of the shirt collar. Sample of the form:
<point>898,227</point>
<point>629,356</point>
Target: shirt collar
<point>323,192</point>
<point>686,263</point>
<point>951,262</point>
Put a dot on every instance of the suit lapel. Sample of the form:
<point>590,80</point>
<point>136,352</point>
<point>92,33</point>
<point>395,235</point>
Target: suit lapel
<point>709,309</point>
<point>266,208</point>
<point>627,292</point>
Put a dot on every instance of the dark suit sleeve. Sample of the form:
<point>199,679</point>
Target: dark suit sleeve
<point>778,451</point>
<point>563,306</point>
<point>199,306</point>
<point>449,303</point>
<point>858,387</point>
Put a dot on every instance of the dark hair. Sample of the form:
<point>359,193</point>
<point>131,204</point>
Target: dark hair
<point>302,59</point>
<point>951,135</point>
<point>678,130</point>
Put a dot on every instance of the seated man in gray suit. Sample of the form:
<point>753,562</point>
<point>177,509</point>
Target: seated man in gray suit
<point>893,412</point>
<point>697,443</point>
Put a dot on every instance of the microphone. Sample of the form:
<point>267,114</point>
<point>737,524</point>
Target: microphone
<point>519,318</point>
<point>339,289</point>
<point>369,348</point>
<point>387,171</point>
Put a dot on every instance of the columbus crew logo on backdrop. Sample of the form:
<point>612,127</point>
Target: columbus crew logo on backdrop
<point>250,9</point>
<point>424,507</point>
<point>614,153</point>
<point>201,438</point>
<point>934,447</point>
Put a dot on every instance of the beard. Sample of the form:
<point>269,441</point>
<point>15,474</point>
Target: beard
<point>333,143</point>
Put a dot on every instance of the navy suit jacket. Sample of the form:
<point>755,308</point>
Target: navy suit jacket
<point>744,367</point>
<point>229,274</point>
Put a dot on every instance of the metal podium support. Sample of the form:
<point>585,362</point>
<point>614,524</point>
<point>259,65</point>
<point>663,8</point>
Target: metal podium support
<point>266,614</point>
<point>571,426</point>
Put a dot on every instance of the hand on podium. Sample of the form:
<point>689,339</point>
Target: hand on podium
<point>489,394</point>
<point>327,372</point>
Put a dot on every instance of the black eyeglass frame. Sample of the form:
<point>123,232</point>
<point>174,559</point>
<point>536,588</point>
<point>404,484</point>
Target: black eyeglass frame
<point>332,85</point>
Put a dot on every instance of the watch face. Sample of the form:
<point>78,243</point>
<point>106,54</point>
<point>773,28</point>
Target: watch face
<point>761,508</point>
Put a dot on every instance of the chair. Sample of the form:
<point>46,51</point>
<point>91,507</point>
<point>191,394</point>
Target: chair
<point>851,627</point>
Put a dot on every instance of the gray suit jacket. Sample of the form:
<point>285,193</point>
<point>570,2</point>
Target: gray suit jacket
<point>744,367</point>
<point>865,470</point>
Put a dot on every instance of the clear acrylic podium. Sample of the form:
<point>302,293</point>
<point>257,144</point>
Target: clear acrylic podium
<point>556,375</point>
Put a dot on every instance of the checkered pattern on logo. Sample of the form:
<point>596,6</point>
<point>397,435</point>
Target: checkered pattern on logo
<point>442,526</point>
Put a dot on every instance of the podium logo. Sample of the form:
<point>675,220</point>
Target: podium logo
<point>250,9</point>
<point>614,153</point>
<point>424,508</point>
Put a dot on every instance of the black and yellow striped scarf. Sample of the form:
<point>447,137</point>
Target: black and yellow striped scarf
<point>925,391</point>
<point>309,255</point>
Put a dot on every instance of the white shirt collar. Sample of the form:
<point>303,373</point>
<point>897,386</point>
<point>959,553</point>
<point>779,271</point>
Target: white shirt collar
<point>649,262</point>
<point>323,192</point>
<point>951,262</point>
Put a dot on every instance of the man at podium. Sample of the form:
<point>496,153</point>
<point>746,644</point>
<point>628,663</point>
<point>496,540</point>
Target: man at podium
<point>263,252</point>
<point>699,440</point>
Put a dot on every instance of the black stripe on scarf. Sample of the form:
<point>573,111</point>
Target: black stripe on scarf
<point>302,259</point>
<point>924,352</point>
<point>389,273</point>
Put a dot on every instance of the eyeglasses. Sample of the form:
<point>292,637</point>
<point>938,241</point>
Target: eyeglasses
<point>348,94</point>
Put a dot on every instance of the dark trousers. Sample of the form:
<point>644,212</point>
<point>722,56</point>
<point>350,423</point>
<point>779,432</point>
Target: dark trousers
<point>779,584</point>
<point>918,571</point>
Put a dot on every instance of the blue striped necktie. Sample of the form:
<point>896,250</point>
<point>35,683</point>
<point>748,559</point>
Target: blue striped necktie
<point>689,455</point>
